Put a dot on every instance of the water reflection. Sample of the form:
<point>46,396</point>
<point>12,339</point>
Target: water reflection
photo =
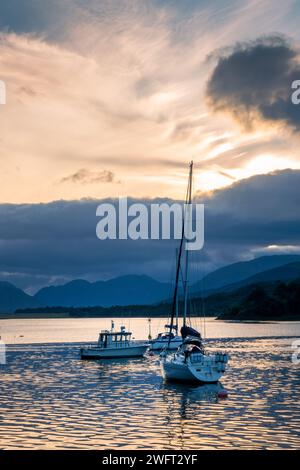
<point>21,331</point>
<point>187,395</point>
<point>182,401</point>
<point>51,399</point>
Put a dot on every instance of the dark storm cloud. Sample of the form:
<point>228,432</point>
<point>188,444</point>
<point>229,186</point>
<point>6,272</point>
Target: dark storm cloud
<point>55,242</point>
<point>254,82</point>
<point>260,211</point>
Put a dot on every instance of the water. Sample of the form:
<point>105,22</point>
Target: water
<point>50,399</point>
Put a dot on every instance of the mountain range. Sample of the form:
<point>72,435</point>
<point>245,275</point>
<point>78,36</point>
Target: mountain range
<point>143,290</point>
<point>243,272</point>
<point>125,290</point>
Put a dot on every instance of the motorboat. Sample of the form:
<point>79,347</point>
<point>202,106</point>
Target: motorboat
<point>114,344</point>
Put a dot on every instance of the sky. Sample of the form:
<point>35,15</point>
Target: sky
<point>109,98</point>
<point>53,243</point>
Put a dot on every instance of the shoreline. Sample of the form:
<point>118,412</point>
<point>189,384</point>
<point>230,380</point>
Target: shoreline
<point>57,316</point>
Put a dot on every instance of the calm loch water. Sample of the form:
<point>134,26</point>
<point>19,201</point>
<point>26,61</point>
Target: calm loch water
<point>50,399</point>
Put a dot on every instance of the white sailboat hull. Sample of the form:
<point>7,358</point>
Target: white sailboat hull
<point>111,353</point>
<point>205,369</point>
<point>159,345</point>
<point>190,363</point>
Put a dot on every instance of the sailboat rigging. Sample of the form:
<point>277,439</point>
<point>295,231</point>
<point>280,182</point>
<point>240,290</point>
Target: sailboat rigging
<point>191,363</point>
<point>178,267</point>
<point>170,340</point>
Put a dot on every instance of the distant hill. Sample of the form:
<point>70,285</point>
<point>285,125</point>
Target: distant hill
<point>265,301</point>
<point>238,272</point>
<point>125,290</point>
<point>135,290</point>
<point>281,301</point>
<point>287,272</point>
<point>12,298</point>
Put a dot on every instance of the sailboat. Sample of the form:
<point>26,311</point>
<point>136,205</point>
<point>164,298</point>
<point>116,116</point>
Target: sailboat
<point>169,339</point>
<point>191,362</point>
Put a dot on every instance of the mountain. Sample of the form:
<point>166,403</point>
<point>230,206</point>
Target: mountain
<point>143,290</point>
<point>265,301</point>
<point>287,272</point>
<point>125,290</point>
<point>12,298</point>
<point>237,272</point>
<point>269,301</point>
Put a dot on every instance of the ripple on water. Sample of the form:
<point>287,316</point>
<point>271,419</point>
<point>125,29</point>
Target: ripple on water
<point>52,399</point>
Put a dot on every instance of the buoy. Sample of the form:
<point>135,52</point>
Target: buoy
<point>222,394</point>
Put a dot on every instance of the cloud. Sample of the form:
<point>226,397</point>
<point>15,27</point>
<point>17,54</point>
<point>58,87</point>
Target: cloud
<point>253,82</point>
<point>49,243</point>
<point>277,249</point>
<point>119,84</point>
<point>85,176</point>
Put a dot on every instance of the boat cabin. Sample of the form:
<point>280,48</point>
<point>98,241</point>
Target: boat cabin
<point>165,336</point>
<point>114,339</point>
<point>192,345</point>
<point>168,333</point>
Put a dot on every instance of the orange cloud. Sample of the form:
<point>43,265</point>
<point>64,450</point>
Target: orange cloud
<point>123,88</point>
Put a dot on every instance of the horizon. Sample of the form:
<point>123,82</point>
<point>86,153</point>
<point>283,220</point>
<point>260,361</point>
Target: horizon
<point>193,282</point>
<point>53,243</point>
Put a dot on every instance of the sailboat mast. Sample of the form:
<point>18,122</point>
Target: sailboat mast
<point>188,216</point>
<point>175,296</point>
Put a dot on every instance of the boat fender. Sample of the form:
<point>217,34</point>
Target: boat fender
<point>222,394</point>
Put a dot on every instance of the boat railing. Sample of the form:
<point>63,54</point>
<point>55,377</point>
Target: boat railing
<point>196,358</point>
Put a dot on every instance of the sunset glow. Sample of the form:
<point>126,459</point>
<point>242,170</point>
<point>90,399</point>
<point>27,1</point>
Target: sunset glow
<point>139,112</point>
